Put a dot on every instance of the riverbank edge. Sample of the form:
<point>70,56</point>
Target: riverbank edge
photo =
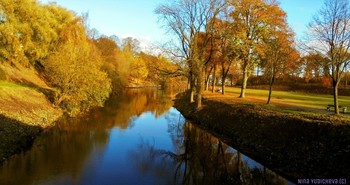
<point>23,119</point>
<point>295,146</point>
<point>18,136</point>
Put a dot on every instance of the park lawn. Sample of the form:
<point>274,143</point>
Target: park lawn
<point>292,100</point>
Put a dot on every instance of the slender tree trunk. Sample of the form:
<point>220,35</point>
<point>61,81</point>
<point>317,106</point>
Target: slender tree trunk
<point>207,84</point>
<point>199,90</point>
<point>188,84</point>
<point>335,95</point>
<point>207,79</point>
<point>223,84</point>
<point>224,77</point>
<point>214,79</point>
<point>270,88</point>
<point>245,79</point>
<point>192,88</point>
<point>223,88</point>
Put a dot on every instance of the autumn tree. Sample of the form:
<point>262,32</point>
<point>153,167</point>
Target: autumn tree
<point>329,35</point>
<point>316,66</point>
<point>280,53</point>
<point>109,52</point>
<point>225,46</point>
<point>53,41</point>
<point>75,70</point>
<point>27,31</point>
<point>131,45</point>
<point>186,19</point>
<point>253,20</point>
<point>160,69</point>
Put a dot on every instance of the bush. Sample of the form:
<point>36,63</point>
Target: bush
<point>76,72</point>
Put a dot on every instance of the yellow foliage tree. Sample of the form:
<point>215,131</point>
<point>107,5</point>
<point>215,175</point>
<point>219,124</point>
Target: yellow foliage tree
<point>75,71</point>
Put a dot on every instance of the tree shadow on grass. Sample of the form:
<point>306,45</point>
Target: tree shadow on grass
<point>15,137</point>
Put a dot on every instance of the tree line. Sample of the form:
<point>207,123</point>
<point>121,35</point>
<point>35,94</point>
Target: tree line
<point>81,70</point>
<point>244,36</point>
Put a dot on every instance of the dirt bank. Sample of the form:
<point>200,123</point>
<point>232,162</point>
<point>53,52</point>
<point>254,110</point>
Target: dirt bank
<point>294,145</point>
<point>24,112</point>
<point>23,115</point>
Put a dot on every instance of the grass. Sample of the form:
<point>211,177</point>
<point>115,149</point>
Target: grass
<point>293,102</point>
<point>26,104</point>
<point>302,99</point>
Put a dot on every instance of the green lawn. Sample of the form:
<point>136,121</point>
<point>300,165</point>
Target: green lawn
<point>296,98</point>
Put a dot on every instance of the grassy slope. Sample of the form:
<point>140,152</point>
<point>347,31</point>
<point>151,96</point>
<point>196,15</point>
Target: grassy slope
<point>26,104</point>
<point>24,110</point>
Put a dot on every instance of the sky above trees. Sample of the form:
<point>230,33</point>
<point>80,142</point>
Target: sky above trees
<point>137,18</point>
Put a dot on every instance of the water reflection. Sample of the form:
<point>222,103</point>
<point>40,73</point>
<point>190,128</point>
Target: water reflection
<point>137,138</point>
<point>200,158</point>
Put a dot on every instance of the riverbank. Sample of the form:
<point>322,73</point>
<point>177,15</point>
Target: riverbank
<point>292,144</point>
<point>24,112</point>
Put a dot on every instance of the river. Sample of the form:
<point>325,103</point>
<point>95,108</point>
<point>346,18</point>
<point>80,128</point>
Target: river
<point>137,138</point>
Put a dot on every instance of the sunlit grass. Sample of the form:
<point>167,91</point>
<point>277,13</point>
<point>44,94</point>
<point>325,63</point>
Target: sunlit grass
<point>8,84</point>
<point>293,98</point>
<point>25,104</point>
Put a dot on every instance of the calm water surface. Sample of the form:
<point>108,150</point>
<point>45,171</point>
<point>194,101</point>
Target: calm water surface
<point>137,138</point>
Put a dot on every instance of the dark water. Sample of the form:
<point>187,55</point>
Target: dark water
<point>137,138</point>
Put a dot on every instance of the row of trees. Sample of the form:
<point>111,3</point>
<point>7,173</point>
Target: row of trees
<point>219,34</point>
<point>82,70</point>
<point>254,34</point>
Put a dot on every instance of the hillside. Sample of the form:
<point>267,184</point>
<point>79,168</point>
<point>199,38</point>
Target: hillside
<point>25,110</point>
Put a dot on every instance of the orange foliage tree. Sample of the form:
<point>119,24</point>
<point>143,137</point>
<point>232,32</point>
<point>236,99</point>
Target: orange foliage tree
<point>253,21</point>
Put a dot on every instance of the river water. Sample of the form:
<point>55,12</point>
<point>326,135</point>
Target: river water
<point>137,138</point>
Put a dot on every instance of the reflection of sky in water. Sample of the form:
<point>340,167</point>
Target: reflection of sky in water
<point>251,163</point>
<point>115,162</point>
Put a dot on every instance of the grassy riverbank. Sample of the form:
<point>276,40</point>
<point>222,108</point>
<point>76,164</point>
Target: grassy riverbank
<point>296,144</point>
<point>24,112</point>
<point>285,99</point>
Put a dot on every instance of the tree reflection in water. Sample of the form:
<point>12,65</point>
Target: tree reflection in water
<point>199,158</point>
<point>102,148</point>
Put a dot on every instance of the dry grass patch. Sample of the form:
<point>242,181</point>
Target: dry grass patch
<point>26,105</point>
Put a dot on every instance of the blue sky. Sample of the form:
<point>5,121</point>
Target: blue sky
<point>136,18</point>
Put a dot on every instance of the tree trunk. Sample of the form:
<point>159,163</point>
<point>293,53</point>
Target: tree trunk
<point>207,79</point>
<point>199,90</point>
<point>192,95</point>
<point>223,84</point>
<point>223,88</point>
<point>270,88</point>
<point>335,95</point>
<point>214,79</point>
<point>244,84</point>
<point>206,84</point>
<point>192,88</point>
